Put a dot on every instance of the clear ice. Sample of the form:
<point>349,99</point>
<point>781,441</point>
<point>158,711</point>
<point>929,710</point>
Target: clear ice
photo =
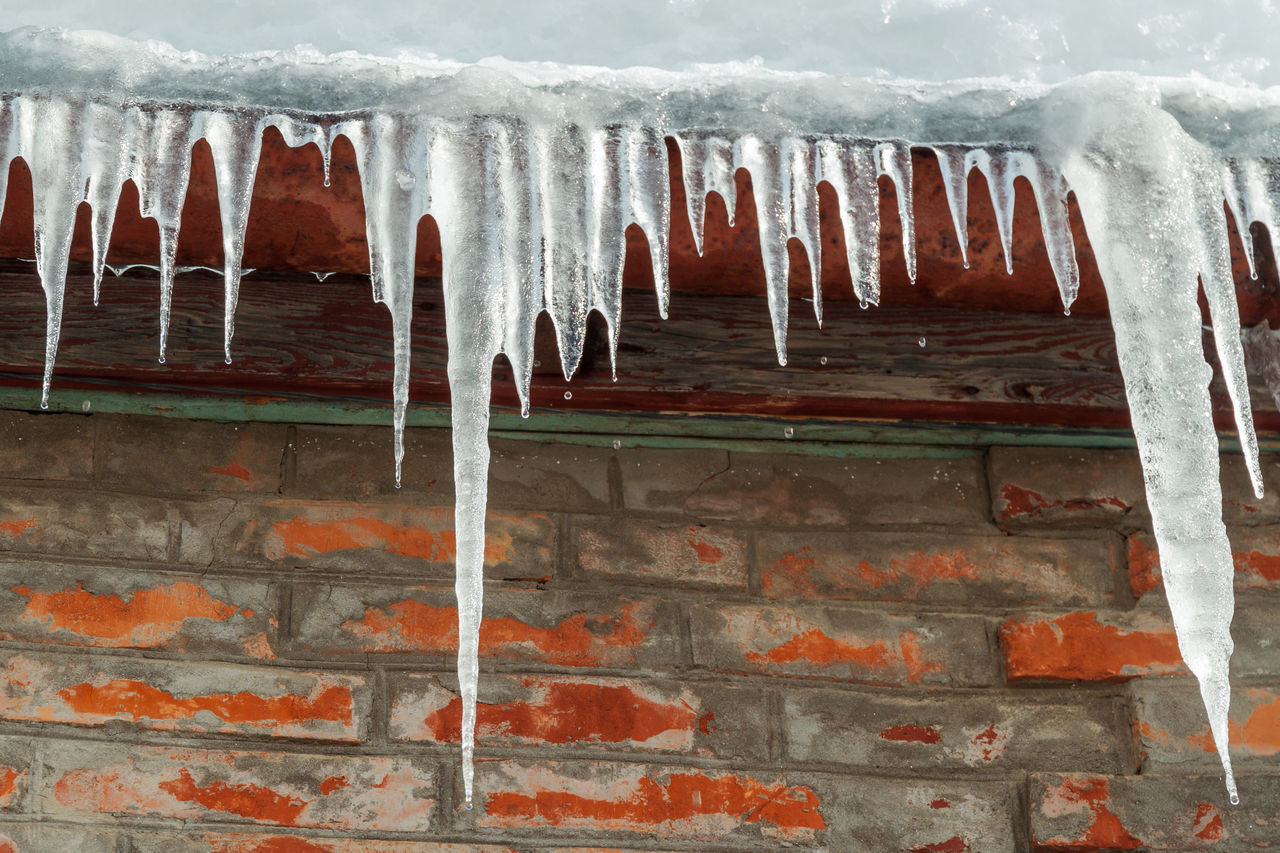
<point>534,173</point>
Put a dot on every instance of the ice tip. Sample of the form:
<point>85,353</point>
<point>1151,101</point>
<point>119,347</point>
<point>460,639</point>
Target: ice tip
<point>468,805</point>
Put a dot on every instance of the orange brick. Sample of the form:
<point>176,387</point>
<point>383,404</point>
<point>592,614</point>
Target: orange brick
<point>186,697</point>
<point>850,645</point>
<point>413,539</point>
<point>660,552</point>
<point>198,455</point>
<point>570,711</point>
<point>1172,729</point>
<point>1049,487</point>
<point>1088,646</point>
<point>282,789</point>
<point>212,842</point>
<point>528,625</point>
<point>110,608</point>
<point>932,567</point>
<point>1255,553</point>
<point>667,802</point>
<point>1092,814</point>
<point>15,774</point>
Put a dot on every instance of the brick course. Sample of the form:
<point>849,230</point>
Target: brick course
<point>249,650</point>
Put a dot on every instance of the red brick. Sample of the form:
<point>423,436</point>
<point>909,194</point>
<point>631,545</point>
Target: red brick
<point>1172,728</point>
<point>661,552</point>
<point>46,447</point>
<point>111,608</point>
<point>1080,812</point>
<point>384,536</point>
<point>967,733</point>
<point>217,842</point>
<point>568,711</point>
<point>849,645</point>
<point>198,455</point>
<point>1089,646</point>
<point>186,697</point>
<point>560,629</point>
<point>667,802</point>
<point>284,789</point>
<point>1051,487</point>
<point>1255,552</point>
<point>801,491</point>
<point>937,568</point>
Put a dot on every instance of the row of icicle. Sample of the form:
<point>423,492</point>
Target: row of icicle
<point>531,218</point>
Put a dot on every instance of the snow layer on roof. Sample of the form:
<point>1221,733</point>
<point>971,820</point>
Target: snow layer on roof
<point>932,40</point>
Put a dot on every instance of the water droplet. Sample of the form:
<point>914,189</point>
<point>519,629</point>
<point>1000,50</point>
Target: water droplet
<point>468,805</point>
<point>568,395</point>
<point>86,406</point>
<point>160,359</point>
<point>822,360</point>
<point>921,342</point>
<point>44,404</point>
<point>789,432</point>
<point>227,360</point>
<point>617,445</point>
<point>1235,799</point>
<point>405,179</point>
<point>864,304</point>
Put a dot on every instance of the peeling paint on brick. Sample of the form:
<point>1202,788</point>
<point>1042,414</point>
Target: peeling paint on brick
<point>1082,646</point>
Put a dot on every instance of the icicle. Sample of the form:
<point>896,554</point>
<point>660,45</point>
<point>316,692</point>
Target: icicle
<point>105,155</point>
<point>236,142</point>
<point>50,133</point>
<point>1000,167</point>
<point>802,211</point>
<point>1050,189</point>
<point>769,182</point>
<point>1146,222</point>
<point>647,198</point>
<point>894,160</point>
<point>954,165</point>
<point>708,167</point>
<point>606,233</point>
<point>467,203</point>
<point>8,148</point>
<point>559,161</point>
<point>161,168</point>
<point>1252,190</point>
<point>850,167</point>
<point>392,156</point>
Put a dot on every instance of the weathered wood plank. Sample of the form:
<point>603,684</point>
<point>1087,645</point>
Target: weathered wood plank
<point>298,338</point>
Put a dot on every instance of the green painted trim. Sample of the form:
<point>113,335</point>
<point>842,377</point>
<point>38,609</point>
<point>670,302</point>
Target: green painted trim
<point>833,437</point>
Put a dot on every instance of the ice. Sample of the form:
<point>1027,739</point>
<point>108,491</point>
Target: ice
<point>534,172</point>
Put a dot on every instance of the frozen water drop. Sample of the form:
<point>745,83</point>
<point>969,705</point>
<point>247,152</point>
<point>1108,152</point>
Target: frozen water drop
<point>160,359</point>
<point>789,432</point>
<point>922,342</point>
<point>822,360</point>
<point>226,360</point>
<point>617,445</point>
<point>1235,799</point>
<point>86,406</point>
<point>405,179</point>
<point>468,805</point>
<point>568,395</point>
<point>44,404</point>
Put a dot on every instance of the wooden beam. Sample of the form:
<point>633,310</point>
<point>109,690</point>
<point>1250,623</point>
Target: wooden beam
<point>325,347</point>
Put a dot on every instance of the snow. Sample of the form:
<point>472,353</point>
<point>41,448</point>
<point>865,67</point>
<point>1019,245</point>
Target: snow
<point>534,170</point>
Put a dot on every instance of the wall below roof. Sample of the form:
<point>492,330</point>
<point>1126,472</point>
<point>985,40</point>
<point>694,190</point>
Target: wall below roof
<point>238,638</point>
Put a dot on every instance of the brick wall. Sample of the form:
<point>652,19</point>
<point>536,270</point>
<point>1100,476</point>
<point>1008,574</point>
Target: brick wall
<point>239,639</point>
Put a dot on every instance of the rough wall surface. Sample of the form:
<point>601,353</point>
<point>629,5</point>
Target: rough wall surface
<point>238,639</point>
